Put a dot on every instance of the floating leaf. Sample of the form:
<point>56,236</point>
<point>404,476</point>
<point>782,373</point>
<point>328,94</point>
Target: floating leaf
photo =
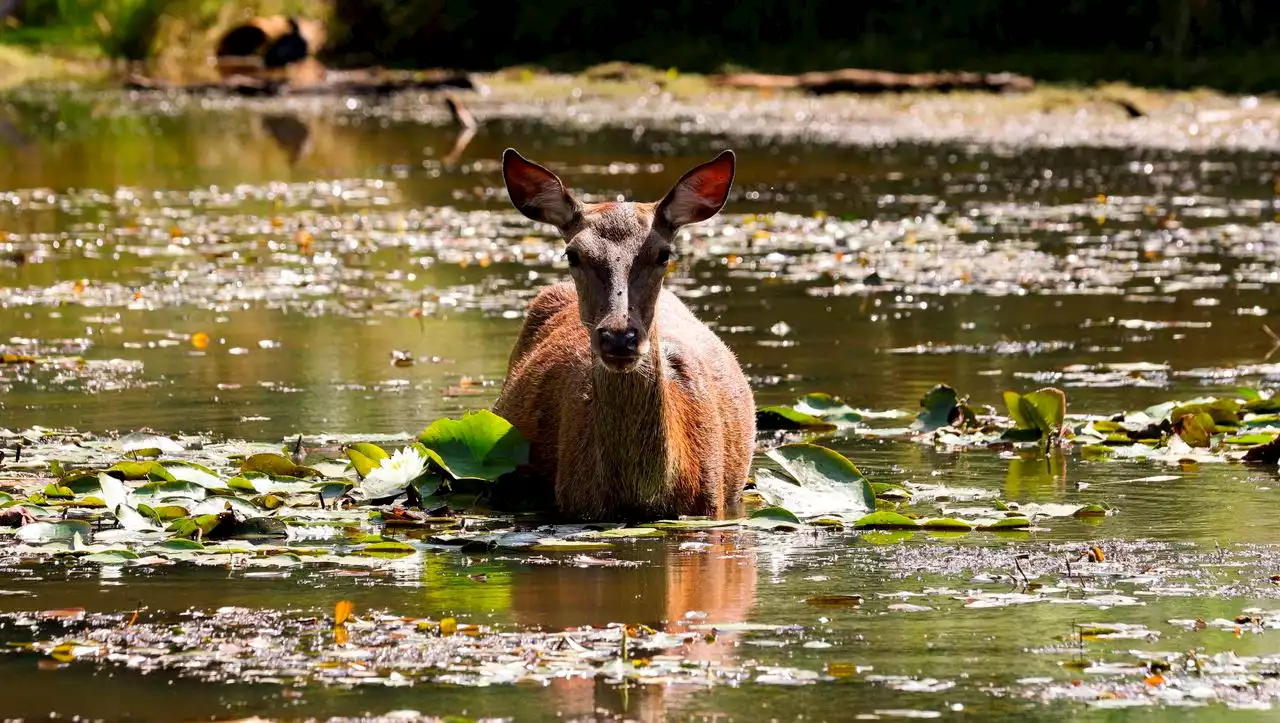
<point>1223,412</point>
<point>890,491</point>
<point>820,404</point>
<point>1195,429</point>
<point>253,528</point>
<point>389,547</point>
<point>885,520</point>
<point>620,533</point>
<point>1250,439</point>
<point>786,418</point>
<point>809,464</point>
<point>112,557</point>
<point>773,518</point>
<point>276,465</point>
<point>691,525</point>
<point>1007,523</point>
<point>63,531</point>
<point>180,544</point>
<point>945,524</point>
<point>1043,410</point>
<point>194,474</point>
<point>553,544</point>
<point>940,408</point>
<point>140,470</point>
<point>365,457</point>
<point>834,601</point>
<point>481,445</point>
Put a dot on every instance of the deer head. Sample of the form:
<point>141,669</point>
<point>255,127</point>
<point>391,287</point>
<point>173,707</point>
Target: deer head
<point>618,252</point>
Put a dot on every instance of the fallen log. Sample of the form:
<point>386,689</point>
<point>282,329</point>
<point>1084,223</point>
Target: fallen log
<point>857,80</point>
<point>348,83</point>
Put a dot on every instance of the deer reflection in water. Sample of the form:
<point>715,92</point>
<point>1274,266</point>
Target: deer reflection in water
<point>708,580</point>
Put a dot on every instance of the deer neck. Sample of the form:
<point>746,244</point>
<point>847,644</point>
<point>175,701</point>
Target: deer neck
<point>630,424</point>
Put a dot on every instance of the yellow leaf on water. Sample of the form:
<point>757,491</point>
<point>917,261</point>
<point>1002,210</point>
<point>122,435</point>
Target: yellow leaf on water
<point>448,626</point>
<point>200,340</point>
<point>342,611</point>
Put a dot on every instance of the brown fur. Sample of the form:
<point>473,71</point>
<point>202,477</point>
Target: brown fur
<point>672,435</point>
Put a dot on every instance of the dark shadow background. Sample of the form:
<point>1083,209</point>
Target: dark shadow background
<point>1173,43</point>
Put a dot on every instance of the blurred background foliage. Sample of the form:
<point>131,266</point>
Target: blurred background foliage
<point>1176,43</point>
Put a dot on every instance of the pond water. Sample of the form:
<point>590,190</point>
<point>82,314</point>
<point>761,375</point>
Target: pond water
<point>253,272</point>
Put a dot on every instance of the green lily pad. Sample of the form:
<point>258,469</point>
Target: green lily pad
<point>945,523</point>
<point>820,404</point>
<point>111,557</point>
<point>1043,410</point>
<point>389,547</point>
<point>140,470</point>
<point>552,544</point>
<point>180,544</point>
<point>1195,429</point>
<point>620,533</point>
<point>481,445</point>
<point>1096,452</point>
<point>193,473</point>
<point>1223,412</point>
<point>885,520</point>
<point>691,525</point>
<point>786,418</point>
<point>365,457</point>
<point>63,531</point>
<point>1007,523</point>
<point>773,518</point>
<point>940,407</point>
<point>890,491</point>
<point>811,465</point>
<point>276,465</point>
<point>1249,440</point>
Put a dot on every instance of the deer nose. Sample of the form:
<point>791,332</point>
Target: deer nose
<point>618,342</point>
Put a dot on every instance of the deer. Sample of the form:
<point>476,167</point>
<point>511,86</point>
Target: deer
<point>634,409</point>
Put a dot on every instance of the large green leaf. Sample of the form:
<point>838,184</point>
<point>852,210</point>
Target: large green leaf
<point>1043,410</point>
<point>809,464</point>
<point>481,445</point>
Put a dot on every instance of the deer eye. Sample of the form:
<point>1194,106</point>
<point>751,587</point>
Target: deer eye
<point>574,259</point>
<point>664,257</point>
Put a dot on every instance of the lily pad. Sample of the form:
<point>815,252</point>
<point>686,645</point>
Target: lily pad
<point>276,465</point>
<point>940,407</point>
<point>786,418</point>
<point>1043,410</point>
<point>773,518</point>
<point>63,531</point>
<point>481,445</point>
<point>809,464</point>
<point>365,457</point>
<point>389,547</point>
<point>140,471</point>
<point>885,520</point>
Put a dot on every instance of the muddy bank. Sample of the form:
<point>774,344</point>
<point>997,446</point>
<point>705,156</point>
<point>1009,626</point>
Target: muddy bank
<point>1048,117</point>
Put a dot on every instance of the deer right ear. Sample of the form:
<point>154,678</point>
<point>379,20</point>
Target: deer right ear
<point>537,192</point>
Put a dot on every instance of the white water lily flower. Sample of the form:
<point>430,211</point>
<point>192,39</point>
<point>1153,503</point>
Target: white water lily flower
<point>392,475</point>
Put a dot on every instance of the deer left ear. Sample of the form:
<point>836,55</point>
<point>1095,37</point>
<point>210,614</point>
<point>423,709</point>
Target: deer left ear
<point>700,193</point>
<point>536,192</point>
